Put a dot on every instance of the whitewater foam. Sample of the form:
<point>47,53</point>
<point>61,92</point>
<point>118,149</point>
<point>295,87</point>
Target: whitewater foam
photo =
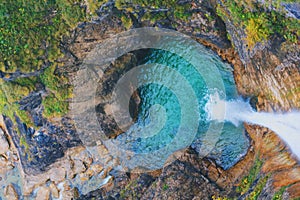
<point>285,125</point>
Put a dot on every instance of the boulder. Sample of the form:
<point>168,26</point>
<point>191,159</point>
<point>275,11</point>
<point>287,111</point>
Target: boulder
<point>11,193</point>
<point>4,145</point>
<point>43,194</point>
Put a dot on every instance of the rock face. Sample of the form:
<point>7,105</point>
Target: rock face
<point>10,193</point>
<point>270,72</point>
<point>4,147</point>
<point>40,148</point>
<point>105,88</point>
<point>189,177</point>
<point>57,166</point>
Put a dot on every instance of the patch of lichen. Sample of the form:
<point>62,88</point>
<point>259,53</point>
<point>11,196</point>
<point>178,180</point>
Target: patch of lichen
<point>259,23</point>
<point>129,190</point>
<point>154,10</point>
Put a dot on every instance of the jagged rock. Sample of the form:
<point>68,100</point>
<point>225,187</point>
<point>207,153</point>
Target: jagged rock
<point>294,191</point>
<point>11,193</point>
<point>45,146</point>
<point>58,175</point>
<point>104,111</point>
<point>69,192</point>
<point>279,162</point>
<point>286,177</point>
<point>43,193</point>
<point>188,177</point>
<point>54,191</point>
<point>4,145</point>
<point>78,166</point>
<point>97,168</point>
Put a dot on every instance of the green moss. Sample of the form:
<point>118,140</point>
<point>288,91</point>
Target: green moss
<point>20,21</point>
<point>155,9</point>
<point>56,83</point>
<point>258,188</point>
<point>127,22</point>
<point>56,103</point>
<point>279,193</point>
<point>30,35</point>
<point>11,93</point>
<point>165,187</point>
<point>214,197</point>
<point>54,107</point>
<point>94,5</point>
<point>259,24</point>
<point>248,180</point>
<point>209,17</point>
<point>24,144</point>
<point>129,190</point>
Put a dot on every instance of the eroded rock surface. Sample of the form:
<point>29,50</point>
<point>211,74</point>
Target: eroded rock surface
<point>57,166</point>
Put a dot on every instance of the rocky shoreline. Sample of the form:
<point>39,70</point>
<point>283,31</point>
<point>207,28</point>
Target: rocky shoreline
<point>68,170</point>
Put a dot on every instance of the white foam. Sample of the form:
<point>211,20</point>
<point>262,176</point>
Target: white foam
<point>286,125</point>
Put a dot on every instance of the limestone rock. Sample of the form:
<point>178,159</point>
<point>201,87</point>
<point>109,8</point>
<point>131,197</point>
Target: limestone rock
<point>70,194</point>
<point>294,191</point>
<point>287,177</point>
<point>97,168</point>
<point>10,193</point>
<point>54,191</point>
<point>57,175</point>
<point>43,193</point>
<point>4,145</point>
<point>78,167</point>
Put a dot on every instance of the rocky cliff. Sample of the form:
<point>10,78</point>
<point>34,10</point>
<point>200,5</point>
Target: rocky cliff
<point>52,162</point>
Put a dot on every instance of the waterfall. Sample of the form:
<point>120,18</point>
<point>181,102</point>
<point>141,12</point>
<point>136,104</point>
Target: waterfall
<point>285,125</point>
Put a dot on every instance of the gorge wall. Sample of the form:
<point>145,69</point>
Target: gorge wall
<point>267,71</point>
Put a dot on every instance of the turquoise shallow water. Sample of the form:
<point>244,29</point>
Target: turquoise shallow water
<point>160,108</point>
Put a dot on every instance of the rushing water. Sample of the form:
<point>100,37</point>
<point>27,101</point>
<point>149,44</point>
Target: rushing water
<point>161,107</point>
<point>236,111</point>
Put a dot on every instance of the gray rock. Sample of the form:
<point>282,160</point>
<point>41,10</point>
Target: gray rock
<point>4,145</point>
<point>10,193</point>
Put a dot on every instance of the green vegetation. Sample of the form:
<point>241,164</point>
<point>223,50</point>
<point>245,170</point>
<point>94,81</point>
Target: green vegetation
<point>279,193</point>
<point>11,93</point>
<point>258,22</point>
<point>155,10</point>
<point>165,187</point>
<point>26,147</point>
<point>258,188</point>
<point>93,5</point>
<point>55,104</point>
<point>30,35</point>
<point>129,190</point>
<point>218,198</point>
<point>31,31</point>
<point>247,181</point>
<point>127,22</point>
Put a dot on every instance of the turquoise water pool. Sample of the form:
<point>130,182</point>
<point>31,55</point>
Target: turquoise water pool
<point>160,108</point>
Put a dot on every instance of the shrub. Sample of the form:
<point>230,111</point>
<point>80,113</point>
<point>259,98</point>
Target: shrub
<point>259,23</point>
